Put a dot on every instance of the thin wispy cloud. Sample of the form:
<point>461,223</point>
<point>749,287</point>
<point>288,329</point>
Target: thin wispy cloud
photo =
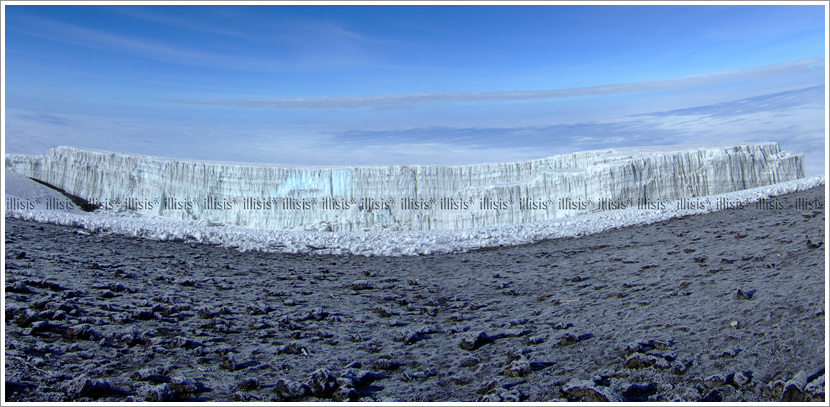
<point>777,102</point>
<point>312,49</point>
<point>297,31</point>
<point>107,41</point>
<point>177,22</point>
<point>409,99</point>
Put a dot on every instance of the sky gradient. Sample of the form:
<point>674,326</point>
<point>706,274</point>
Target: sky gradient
<point>374,85</point>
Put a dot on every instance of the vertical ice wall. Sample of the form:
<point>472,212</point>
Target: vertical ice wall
<point>417,197</point>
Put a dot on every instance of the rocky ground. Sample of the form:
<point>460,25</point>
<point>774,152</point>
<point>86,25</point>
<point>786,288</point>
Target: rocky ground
<point>719,307</point>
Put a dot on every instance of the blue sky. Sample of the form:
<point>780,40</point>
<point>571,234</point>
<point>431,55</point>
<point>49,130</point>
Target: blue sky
<point>369,85</point>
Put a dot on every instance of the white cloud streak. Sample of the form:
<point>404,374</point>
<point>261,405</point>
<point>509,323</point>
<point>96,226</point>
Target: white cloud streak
<point>314,53</point>
<point>182,23</point>
<point>386,101</point>
<point>106,41</point>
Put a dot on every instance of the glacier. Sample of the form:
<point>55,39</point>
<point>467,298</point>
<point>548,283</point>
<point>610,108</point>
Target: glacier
<point>404,198</point>
<point>383,243</point>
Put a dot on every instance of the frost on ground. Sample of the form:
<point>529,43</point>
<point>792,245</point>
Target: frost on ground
<point>384,243</point>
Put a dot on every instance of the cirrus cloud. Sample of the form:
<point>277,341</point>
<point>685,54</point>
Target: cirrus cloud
<point>385,101</point>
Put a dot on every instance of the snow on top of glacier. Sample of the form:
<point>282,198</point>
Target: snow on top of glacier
<point>604,156</point>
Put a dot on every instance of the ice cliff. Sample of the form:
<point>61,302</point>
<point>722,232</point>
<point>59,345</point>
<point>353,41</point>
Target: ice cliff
<point>416,197</point>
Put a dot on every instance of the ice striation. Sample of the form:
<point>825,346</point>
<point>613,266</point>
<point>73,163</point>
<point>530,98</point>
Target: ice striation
<point>393,243</point>
<point>406,198</point>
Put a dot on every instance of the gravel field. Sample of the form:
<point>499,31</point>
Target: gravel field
<point>727,306</point>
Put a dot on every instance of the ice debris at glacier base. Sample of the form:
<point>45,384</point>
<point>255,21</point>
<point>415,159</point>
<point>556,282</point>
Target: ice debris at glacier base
<point>390,243</point>
<point>405,198</point>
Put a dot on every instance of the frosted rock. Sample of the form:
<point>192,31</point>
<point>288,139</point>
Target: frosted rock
<point>586,390</point>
